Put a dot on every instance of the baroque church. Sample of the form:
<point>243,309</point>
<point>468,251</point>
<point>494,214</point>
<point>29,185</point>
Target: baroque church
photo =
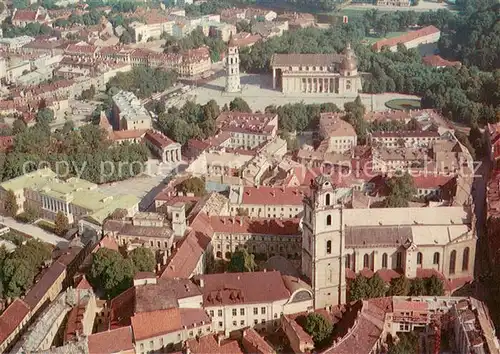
<point>337,241</point>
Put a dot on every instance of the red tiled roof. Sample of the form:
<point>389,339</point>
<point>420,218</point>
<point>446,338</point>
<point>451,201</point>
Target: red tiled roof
<point>106,242</point>
<point>254,343</point>
<point>401,305</point>
<point>185,259</point>
<point>155,323</point>
<point>144,275</point>
<point>194,317</point>
<point>258,123</point>
<point>151,324</point>
<point>359,329</point>
<point>158,139</point>
<point>38,291</point>
<point>208,345</point>
<point>113,341</point>
<point>128,134</point>
<point>437,61</point>
<point>80,49</point>
<point>407,37</point>
<point>431,181</point>
<point>408,133</point>
<point>248,288</point>
<point>367,273</point>
<point>196,55</point>
<point>173,199</point>
<point>263,226</point>
<point>6,142</point>
<point>12,317</point>
<point>350,274</point>
<point>427,273</point>
<point>83,284</point>
<point>274,195</point>
<point>387,274</point>
<point>333,125</point>
<point>244,39</point>
<point>122,308</point>
<point>24,15</point>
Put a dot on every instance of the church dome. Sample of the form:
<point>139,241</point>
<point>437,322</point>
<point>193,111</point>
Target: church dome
<point>349,62</point>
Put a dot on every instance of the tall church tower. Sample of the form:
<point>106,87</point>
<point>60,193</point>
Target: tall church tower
<point>323,243</point>
<point>232,67</point>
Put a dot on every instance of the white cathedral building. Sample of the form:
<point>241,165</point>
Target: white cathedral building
<point>335,239</point>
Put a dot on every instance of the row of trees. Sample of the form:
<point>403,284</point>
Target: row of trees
<point>91,18</point>
<point>31,29</point>
<point>85,152</point>
<point>143,81</point>
<point>113,273</point>
<point>18,269</point>
<point>365,288</point>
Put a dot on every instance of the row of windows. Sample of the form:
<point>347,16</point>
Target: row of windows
<point>234,312</point>
<point>435,259</point>
<point>385,260</point>
<point>260,209</point>
<point>286,238</point>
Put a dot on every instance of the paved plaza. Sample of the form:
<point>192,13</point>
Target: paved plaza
<point>258,93</point>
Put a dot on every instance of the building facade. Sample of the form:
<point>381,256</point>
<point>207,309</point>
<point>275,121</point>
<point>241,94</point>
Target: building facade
<point>317,73</point>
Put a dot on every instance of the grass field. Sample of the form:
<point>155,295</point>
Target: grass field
<point>403,104</point>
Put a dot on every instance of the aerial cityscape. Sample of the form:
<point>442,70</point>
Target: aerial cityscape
<point>249,176</point>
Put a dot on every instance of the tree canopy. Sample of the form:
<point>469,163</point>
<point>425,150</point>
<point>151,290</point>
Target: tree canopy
<point>20,267</point>
<point>242,261</point>
<point>407,343</point>
<point>81,153</point>
<point>195,185</point>
<point>399,286</point>
<point>366,288</point>
<point>238,104</point>
<point>143,81</point>
<point>111,272</point>
<point>318,327</point>
<point>11,206</point>
<point>143,259</point>
<point>61,224</point>
<point>192,121</point>
<point>401,191</point>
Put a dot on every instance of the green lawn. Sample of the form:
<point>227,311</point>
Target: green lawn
<point>403,104</point>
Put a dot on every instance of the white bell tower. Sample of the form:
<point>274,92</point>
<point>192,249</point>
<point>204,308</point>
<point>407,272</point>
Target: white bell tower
<point>232,67</point>
<point>323,244</point>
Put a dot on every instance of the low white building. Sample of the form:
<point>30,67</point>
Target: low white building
<point>255,299</point>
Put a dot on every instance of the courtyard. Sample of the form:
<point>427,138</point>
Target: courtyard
<point>258,93</point>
